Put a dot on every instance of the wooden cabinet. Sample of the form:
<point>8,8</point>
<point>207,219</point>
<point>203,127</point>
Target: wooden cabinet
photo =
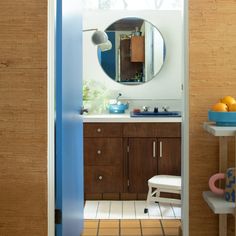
<point>141,162</point>
<point>128,68</point>
<point>120,157</point>
<point>157,150</point>
<point>169,156</point>
<point>103,159</point>
<point>137,49</point>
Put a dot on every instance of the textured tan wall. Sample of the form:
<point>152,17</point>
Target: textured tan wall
<point>212,50</point>
<point>23,197</point>
<point>23,118</point>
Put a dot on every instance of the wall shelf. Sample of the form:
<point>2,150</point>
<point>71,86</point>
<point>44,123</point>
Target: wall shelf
<point>226,131</point>
<point>218,204</point>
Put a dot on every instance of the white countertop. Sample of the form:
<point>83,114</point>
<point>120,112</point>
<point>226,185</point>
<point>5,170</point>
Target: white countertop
<point>219,130</point>
<point>125,118</point>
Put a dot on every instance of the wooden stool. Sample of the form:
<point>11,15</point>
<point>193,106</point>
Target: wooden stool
<point>165,184</point>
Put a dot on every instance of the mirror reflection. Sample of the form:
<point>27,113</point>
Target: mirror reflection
<point>137,53</point>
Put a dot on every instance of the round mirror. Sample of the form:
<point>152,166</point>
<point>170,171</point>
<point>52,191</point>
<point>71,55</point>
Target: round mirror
<point>137,53</point>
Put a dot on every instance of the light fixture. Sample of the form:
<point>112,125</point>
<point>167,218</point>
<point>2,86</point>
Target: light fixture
<point>105,46</point>
<point>100,39</point>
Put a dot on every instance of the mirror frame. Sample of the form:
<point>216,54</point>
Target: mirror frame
<point>159,68</point>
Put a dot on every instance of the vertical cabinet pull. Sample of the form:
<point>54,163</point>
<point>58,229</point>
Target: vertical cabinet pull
<point>154,149</point>
<point>160,148</point>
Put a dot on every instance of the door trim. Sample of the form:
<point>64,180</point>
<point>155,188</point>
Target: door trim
<point>185,125</point>
<point>51,117</point>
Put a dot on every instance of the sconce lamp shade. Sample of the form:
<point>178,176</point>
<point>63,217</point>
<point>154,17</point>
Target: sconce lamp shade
<point>99,37</point>
<point>105,46</point>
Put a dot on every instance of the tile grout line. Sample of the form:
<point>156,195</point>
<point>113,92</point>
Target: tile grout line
<point>119,228</point>
<point>109,213</point>
<point>98,227</point>
<point>160,210</point>
<point>173,211</point>
<point>97,210</point>
<point>141,229</point>
<point>135,215</point>
<point>162,228</point>
<point>122,211</point>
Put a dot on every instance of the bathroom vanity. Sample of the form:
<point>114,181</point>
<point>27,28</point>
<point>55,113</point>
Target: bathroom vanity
<point>122,153</point>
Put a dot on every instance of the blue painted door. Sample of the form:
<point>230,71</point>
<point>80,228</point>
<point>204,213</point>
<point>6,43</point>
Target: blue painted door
<point>69,127</point>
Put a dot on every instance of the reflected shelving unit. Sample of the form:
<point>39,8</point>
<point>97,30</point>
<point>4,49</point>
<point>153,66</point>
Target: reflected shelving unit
<point>217,204</point>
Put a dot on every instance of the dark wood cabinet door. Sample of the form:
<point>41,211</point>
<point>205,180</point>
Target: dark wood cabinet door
<point>142,163</point>
<point>169,156</point>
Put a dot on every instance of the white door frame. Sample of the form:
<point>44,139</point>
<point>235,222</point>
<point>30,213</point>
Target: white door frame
<point>185,126</point>
<point>51,120</point>
<point>51,115</point>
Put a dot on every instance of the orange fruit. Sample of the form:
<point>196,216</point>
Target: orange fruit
<point>220,107</point>
<point>228,100</point>
<point>232,107</point>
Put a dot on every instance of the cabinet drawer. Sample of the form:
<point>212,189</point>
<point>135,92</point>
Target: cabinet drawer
<point>103,151</point>
<point>102,130</point>
<point>152,130</point>
<point>103,179</point>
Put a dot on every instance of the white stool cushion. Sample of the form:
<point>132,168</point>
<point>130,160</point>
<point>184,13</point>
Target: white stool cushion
<point>165,182</point>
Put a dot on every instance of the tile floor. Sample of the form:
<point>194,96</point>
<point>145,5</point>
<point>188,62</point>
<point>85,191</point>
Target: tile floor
<point>130,210</point>
<point>145,227</point>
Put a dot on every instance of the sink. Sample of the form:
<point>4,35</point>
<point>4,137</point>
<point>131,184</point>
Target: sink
<point>156,114</point>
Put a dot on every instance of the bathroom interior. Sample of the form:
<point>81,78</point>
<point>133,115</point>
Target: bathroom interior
<point>133,109</point>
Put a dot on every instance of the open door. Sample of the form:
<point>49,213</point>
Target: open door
<point>69,126</point>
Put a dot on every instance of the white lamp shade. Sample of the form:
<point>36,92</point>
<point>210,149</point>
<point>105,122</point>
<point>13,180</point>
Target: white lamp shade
<point>105,46</point>
<point>99,37</point>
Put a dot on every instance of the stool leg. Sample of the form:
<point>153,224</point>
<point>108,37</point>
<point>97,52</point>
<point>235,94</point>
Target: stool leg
<point>158,195</point>
<point>148,199</point>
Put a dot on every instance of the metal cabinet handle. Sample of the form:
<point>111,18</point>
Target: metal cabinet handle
<point>100,177</point>
<point>99,152</point>
<point>160,148</point>
<point>154,149</point>
<point>99,130</point>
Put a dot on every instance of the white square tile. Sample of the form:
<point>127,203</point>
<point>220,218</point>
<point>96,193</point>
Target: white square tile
<point>166,211</point>
<point>177,210</point>
<point>128,210</point>
<point>103,210</point>
<point>116,210</point>
<point>154,211</point>
<point>90,209</point>
<point>139,209</point>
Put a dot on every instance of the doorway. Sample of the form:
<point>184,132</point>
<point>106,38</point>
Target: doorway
<point>184,157</point>
<point>184,109</point>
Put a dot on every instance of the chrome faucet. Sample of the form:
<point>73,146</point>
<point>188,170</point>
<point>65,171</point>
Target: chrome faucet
<point>145,108</point>
<point>165,108</point>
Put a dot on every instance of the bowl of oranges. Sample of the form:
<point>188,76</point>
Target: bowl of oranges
<point>223,113</point>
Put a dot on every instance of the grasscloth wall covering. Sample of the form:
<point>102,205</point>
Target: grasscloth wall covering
<point>23,118</point>
<point>23,107</point>
<point>212,75</point>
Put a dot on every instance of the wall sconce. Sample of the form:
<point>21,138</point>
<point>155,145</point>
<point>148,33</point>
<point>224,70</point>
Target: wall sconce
<point>100,39</point>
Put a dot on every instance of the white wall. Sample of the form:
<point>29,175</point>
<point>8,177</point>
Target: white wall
<point>167,84</point>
